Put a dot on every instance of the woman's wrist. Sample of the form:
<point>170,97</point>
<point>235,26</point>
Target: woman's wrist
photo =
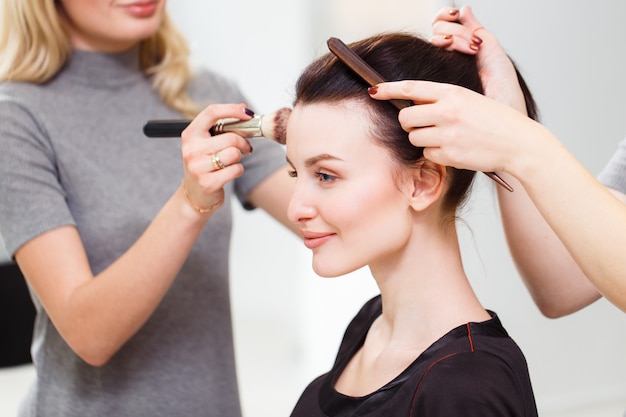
<point>198,209</point>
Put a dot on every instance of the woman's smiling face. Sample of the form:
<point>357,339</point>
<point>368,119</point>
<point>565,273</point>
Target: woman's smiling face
<point>348,201</point>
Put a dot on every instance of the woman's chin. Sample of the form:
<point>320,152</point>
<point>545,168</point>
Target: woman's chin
<point>330,271</point>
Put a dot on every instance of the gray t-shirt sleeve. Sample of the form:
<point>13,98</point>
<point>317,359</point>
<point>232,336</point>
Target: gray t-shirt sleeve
<point>614,173</point>
<point>32,200</point>
<point>4,254</point>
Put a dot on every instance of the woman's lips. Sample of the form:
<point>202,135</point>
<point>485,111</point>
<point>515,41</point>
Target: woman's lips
<point>314,240</point>
<point>142,9</point>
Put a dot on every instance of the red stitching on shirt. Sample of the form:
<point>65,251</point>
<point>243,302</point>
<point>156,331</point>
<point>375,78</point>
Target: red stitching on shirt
<point>471,342</point>
<point>424,377</point>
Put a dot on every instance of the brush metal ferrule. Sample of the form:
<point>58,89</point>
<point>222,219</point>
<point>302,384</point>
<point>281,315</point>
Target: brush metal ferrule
<point>247,128</point>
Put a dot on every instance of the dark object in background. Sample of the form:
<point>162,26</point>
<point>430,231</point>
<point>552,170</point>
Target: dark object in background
<point>17,315</point>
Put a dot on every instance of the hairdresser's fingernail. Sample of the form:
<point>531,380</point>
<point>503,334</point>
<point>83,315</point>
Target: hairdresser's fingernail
<point>248,112</point>
<point>474,47</point>
<point>372,90</point>
<point>476,40</point>
<point>447,37</point>
<point>453,12</point>
<point>251,149</point>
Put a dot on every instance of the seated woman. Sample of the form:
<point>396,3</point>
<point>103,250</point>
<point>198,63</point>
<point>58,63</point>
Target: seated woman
<point>365,196</point>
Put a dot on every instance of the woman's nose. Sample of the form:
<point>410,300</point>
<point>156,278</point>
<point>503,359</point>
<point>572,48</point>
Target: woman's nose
<point>300,208</point>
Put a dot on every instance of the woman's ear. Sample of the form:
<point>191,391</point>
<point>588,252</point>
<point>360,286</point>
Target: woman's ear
<point>427,184</point>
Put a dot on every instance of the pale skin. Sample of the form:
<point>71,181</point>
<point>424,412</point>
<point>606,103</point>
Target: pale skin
<point>566,231</point>
<point>97,314</point>
<point>355,210</point>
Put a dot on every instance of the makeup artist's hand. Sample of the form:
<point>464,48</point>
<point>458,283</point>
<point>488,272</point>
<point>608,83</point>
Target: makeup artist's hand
<point>459,30</point>
<point>210,162</point>
<point>461,128</point>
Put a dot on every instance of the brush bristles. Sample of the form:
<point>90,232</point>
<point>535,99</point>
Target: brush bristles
<point>275,127</point>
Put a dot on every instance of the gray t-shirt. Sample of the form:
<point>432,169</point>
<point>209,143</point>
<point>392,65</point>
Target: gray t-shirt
<point>72,152</point>
<point>614,173</point>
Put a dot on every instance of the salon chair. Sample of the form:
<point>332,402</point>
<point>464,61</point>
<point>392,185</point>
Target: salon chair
<point>17,315</point>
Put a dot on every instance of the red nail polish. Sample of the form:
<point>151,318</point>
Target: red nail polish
<point>372,90</point>
<point>474,47</point>
<point>447,37</point>
<point>476,40</point>
<point>248,112</point>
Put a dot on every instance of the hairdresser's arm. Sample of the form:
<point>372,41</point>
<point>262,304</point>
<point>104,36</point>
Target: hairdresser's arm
<point>554,279</point>
<point>575,230</point>
<point>96,315</point>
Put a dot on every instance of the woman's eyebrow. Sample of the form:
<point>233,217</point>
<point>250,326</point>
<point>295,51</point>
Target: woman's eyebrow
<point>315,159</point>
<point>322,157</point>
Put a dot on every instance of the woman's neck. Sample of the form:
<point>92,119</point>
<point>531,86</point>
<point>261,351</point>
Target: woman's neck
<point>425,292</point>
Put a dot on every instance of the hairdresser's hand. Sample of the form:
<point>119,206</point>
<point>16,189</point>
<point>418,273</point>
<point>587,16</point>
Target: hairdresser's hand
<point>210,162</point>
<point>459,30</point>
<point>461,128</point>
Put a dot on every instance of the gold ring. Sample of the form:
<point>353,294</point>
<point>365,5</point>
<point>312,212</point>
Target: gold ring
<point>217,162</point>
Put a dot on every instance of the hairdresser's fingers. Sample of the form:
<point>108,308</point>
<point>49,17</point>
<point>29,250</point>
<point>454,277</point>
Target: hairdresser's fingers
<point>443,146</point>
<point>446,145</point>
<point>445,117</point>
<point>436,155</point>
<point>455,37</point>
<point>447,14</point>
<point>417,91</point>
<point>436,104</point>
<point>468,20</point>
<point>497,72</point>
<point>443,38</point>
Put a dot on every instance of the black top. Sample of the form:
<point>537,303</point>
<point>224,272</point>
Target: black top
<point>474,370</point>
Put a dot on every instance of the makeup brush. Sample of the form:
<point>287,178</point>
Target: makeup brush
<point>371,77</point>
<point>272,126</point>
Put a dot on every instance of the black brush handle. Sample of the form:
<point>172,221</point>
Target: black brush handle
<point>165,128</point>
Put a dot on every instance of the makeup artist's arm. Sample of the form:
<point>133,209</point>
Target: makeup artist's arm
<point>273,195</point>
<point>96,315</point>
<point>474,132</point>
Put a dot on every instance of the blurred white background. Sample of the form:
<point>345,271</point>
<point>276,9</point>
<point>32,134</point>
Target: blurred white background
<point>288,321</point>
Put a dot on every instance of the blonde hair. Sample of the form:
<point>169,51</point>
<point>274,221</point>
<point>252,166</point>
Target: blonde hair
<point>34,46</point>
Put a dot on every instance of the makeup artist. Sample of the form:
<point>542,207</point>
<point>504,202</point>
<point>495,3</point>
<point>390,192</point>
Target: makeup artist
<point>123,242</point>
<point>567,241</point>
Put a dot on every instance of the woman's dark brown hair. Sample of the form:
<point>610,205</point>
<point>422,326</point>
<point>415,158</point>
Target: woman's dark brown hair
<point>396,56</point>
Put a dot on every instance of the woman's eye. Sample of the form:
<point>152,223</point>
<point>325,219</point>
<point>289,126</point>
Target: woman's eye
<point>325,178</point>
<point>292,173</point>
